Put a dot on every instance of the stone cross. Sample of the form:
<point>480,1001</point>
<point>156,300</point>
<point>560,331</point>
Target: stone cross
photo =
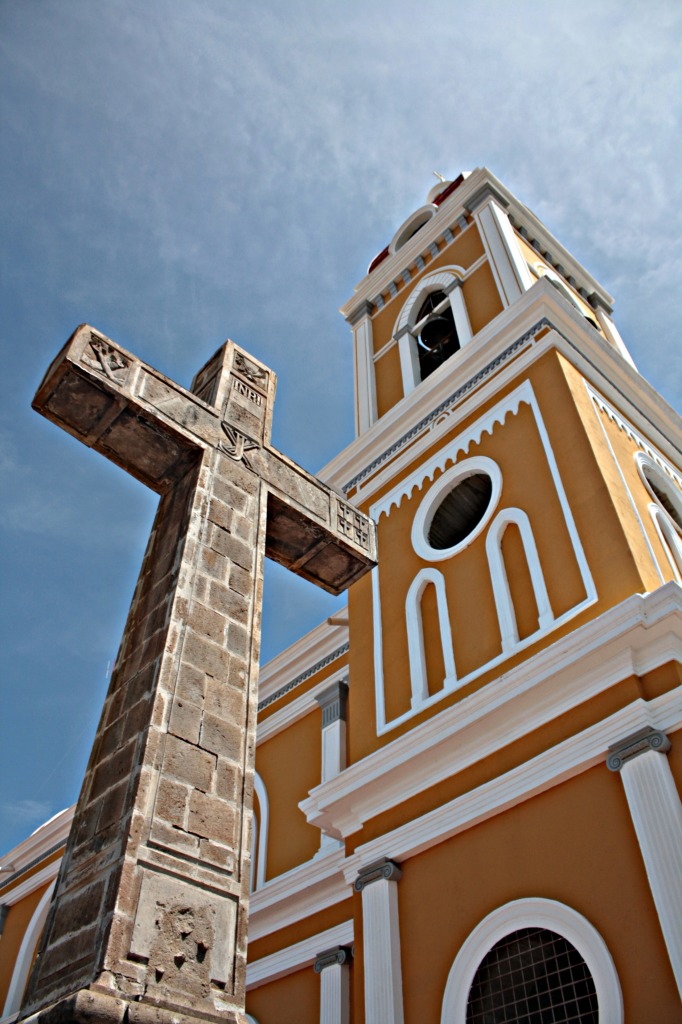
<point>149,920</point>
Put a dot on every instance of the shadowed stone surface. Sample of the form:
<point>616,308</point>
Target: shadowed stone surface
<point>149,919</point>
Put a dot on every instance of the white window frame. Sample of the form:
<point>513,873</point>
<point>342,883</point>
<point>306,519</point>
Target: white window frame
<point>534,913</point>
<point>506,613</point>
<point>435,495</point>
<point>415,635</point>
<point>448,280</point>
<point>260,834</point>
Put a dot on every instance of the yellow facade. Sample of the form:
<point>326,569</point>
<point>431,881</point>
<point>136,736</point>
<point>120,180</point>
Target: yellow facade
<point>453,726</point>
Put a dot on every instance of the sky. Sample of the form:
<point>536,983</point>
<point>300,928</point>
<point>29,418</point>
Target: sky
<point>176,172</point>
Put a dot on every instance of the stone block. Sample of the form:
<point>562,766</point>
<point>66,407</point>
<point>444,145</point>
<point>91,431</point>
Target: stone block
<point>185,720</point>
<point>229,602</point>
<point>238,640</point>
<point>224,701</point>
<point>112,806</point>
<point>187,763</point>
<point>171,803</point>
<point>231,547</point>
<point>222,737</point>
<point>220,514</point>
<point>211,818</point>
<point>241,580</point>
<point>232,496</point>
<point>205,655</point>
<point>227,779</point>
<point>207,622</point>
<point>214,564</point>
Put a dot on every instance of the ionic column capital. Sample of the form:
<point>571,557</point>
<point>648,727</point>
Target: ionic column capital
<point>632,746</point>
<point>385,868</point>
<point>329,957</point>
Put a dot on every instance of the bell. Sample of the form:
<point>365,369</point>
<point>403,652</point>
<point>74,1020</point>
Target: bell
<point>435,333</point>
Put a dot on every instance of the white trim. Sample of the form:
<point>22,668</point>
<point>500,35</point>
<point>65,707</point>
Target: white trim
<point>52,833</point>
<point>447,482</point>
<point>415,635</point>
<point>510,404</point>
<point>24,960</point>
<point>669,538</point>
<point>382,966</point>
<point>500,581</point>
<point>612,333</point>
<point>656,813</point>
<point>504,254</point>
<point>33,882</point>
<point>297,708</point>
<point>365,382</point>
<point>301,656</point>
<point>446,279</point>
<point>479,373</point>
<point>293,958</point>
<point>541,773</point>
<point>632,638</point>
<point>298,894</point>
<point>415,222</point>
<point>261,828</point>
<point>534,913</point>
<point>645,463</point>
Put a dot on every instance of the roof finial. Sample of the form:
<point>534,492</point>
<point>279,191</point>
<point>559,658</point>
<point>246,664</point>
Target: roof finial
<point>440,177</point>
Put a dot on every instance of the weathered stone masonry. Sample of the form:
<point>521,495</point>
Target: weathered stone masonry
<point>150,913</point>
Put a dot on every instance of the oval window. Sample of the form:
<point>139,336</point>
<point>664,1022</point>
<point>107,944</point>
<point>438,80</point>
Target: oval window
<point>456,508</point>
<point>460,511</point>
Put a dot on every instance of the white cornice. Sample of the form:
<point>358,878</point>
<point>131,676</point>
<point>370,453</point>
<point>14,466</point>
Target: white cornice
<point>40,843</point>
<point>297,894</point>
<point>293,958</point>
<point>391,268</point>
<point>480,370</point>
<point>30,884</point>
<point>296,708</point>
<point>634,637</point>
<point>303,655</point>
<point>553,766</point>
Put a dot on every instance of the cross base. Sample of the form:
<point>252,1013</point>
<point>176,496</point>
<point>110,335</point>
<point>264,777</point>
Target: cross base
<point>87,1006</point>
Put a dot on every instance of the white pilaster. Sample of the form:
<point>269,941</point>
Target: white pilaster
<point>378,884</point>
<point>333,968</point>
<point>459,312</point>
<point>657,817</point>
<point>332,701</point>
<point>501,245</point>
<point>613,334</point>
<point>365,383</point>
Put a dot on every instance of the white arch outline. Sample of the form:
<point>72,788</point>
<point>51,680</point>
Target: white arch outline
<point>24,961</point>
<point>415,635</point>
<point>534,913</point>
<point>669,538</point>
<point>449,280</point>
<point>498,575</point>
<point>410,226</point>
<point>260,834</point>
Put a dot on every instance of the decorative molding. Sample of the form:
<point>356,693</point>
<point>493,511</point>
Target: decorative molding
<point>565,760</point>
<point>523,394</point>
<point>46,840</point>
<point>296,708</point>
<point>298,894</point>
<point>293,958</point>
<point>333,700</point>
<point>446,406</point>
<point>634,637</point>
<point>338,955</point>
<point>33,882</point>
<point>310,649</point>
<point>383,869</point>
<point>642,741</point>
<point>534,913</point>
<point>317,667</point>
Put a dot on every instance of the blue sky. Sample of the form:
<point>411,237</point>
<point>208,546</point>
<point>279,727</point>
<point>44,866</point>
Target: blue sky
<point>176,172</point>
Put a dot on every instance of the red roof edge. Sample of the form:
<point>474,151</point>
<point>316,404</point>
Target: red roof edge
<point>442,196</point>
<point>377,260</point>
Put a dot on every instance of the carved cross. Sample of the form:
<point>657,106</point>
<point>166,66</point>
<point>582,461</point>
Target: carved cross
<point>149,919</point>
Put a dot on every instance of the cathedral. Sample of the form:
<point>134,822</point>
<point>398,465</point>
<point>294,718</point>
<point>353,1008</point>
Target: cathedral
<point>466,799</point>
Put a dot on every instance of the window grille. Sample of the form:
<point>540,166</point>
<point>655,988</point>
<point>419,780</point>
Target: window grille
<point>532,976</point>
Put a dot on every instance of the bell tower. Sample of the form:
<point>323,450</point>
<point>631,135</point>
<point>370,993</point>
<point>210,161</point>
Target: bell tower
<point>521,472</point>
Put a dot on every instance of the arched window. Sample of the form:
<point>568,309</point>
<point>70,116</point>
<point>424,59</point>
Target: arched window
<point>670,539</point>
<point>259,839</point>
<point>533,975</point>
<point>533,960</point>
<point>26,954</point>
<point>433,325</point>
<point>498,573</point>
<point>415,635</point>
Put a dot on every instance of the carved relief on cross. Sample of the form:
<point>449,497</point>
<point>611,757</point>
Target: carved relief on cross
<point>158,855</point>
